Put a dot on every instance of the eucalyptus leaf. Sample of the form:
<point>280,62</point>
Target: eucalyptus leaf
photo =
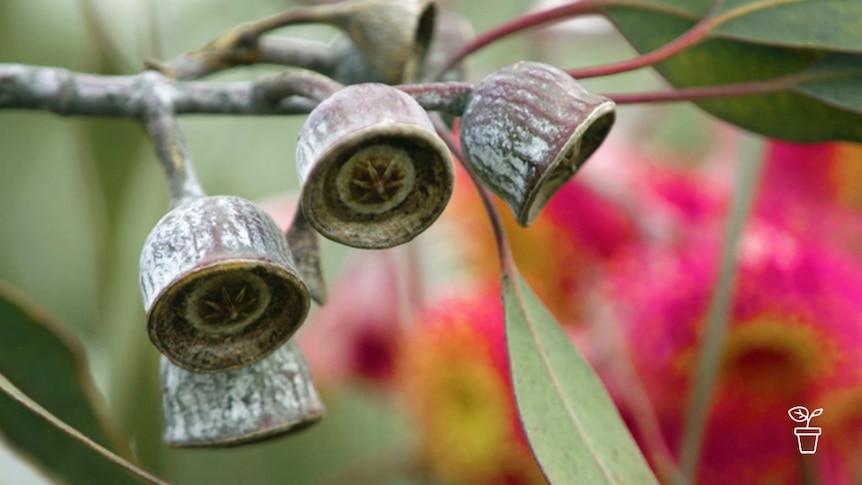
<point>810,24</point>
<point>691,9</point>
<point>43,360</point>
<point>837,81</point>
<point>816,110</point>
<point>573,426</point>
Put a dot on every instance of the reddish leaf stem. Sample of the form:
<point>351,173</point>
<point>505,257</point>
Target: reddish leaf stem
<point>690,38</point>
<point>706,92</point>
<point>557,14</point>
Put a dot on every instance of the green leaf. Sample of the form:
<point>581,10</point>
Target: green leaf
<point>690,9</point>
<point>809,24</point>
<point>814,111</point>
<point>572,424</point>
<point>43,360</point>
<point>838,82</point>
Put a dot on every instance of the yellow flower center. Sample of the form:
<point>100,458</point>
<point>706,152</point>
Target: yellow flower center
<point>774,354</point>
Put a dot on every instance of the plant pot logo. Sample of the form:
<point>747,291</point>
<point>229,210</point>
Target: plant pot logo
<point>806,436</point>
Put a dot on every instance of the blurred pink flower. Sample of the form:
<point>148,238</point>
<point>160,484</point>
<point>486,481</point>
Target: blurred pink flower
<point>795,332</point>
<point>357,334</point>
<point>652,249</point>
<point>455,381</point>
<point>559,254</point>
<point>820,173</point>
<point>814,189</point>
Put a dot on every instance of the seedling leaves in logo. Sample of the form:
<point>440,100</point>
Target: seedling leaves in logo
<point>806,436</point>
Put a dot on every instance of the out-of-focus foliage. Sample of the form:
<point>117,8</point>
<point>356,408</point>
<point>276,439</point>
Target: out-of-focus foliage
<point>44,361</point>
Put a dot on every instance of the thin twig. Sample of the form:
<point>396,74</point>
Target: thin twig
<point>242,45</point>
<point>164,130</point>
<point>295,82</point>
<point>300,15</point>
<point>306,54</point>
<point>449,97</point>
<point>300,53</point>
<point>692,37</point>
<point>13,392</point>
<point>304,244</point>
<point>161,123</point>
<point>557,14</point>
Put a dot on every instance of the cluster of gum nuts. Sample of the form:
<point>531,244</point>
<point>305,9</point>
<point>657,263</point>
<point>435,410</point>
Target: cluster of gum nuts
<point>225,288</point>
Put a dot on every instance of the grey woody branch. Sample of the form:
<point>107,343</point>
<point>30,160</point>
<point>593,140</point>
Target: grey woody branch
<point>69,93</point>
<point>245,45</point>
<point>161,124</point>
<point>449,97</point>
<point>306,54</point>
<point>293,91</point>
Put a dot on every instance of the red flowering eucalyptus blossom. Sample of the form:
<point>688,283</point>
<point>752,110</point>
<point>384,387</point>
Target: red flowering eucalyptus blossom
<point>814,188</point>
<point>455,380</point>
<point>357,334</point>
<point>794,338</point>
<point>559,254</point>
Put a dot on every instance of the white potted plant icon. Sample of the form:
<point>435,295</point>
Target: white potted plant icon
<point>806,436</point>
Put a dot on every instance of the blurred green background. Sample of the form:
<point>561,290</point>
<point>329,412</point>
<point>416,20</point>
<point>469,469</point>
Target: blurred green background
<point>79,196</point>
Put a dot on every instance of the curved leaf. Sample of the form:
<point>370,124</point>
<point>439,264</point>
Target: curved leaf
<point>44,361</point>
<point>813,111</point>
<point>572,424</point>
<point>691,9</point>
<point>809,24</point>
<point>838,82</point>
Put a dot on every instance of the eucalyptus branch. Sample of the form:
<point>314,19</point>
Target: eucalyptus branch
<point>307,54</point>
<point>242,45</point>
<point>8,388</point>
<point>212,58</point>
<point>296,82</point>
<point>245,44</point>
<point>449,97</point>
<point>304,244</point>
<point>164,129</point>
<point>294,91</point>
<point>69,93</point>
